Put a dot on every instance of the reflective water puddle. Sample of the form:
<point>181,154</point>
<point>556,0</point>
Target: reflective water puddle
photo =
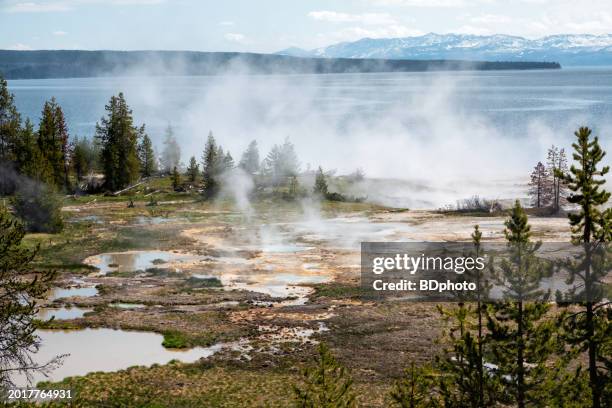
<point>136,260</point>
<point>106,350</point>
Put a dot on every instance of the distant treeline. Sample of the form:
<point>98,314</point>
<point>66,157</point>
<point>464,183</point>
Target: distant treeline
<point>71,64</point>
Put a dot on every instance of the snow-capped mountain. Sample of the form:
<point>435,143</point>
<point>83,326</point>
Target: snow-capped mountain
<point>568,49</point>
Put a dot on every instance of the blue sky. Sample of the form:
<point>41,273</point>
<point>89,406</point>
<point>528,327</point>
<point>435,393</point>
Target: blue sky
<point>272,25</point>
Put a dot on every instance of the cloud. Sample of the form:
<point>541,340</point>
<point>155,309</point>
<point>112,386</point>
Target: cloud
<point>357,33</point>
<point>491,19</point>
<point>60,33</point>
<point>227,23</point>
<point>421,3</point>
<point>19,47</point>
<point>365,18</point>
<point>474,30</point>
<point>235,37</point>
<point>367,25</point>
<point>37,7</point>
<point>40,6</point>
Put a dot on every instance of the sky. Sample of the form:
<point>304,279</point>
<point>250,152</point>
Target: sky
<point>273,25</point>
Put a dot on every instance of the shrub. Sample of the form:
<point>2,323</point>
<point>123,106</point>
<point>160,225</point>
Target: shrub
<point>39,208</point>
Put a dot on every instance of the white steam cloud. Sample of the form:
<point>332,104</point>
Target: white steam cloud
<point>431,130</point>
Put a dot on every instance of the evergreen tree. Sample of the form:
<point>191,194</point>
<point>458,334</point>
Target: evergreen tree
<point>522,341</point>
<point>30,161</point>
<point>10,128</point>
<point>281,162</point>
<point>294,187</point>
<point>249,161</point>
<point>53,143</point>
<point>540,184</point>
<point>357,176</point>
<point>118,138</point>
<point>209,167</point>
<point>557,164</point>
<point>10,122</point>
<point>415,389</point>
<point>176,178</point>
<point>193,170</point>
<point>272,164</point>
<point>326,385</point>
<point>463,382</point>
<point>84,157</point>
<point>79,161</point>
<point>228,162</point>
<point>20,286</point>
<point>171,153</point>
<point>320,186</point>
<point>589,329</point>
<point>219,160</point>
<point>146,154</point>
<point>62,130</point>
<point>482,288</point>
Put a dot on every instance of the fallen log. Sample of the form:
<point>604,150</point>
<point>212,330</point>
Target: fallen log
<point>116,193</point>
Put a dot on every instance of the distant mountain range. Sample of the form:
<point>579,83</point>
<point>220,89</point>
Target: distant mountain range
<point>67,64</point>
<point>567,49</point>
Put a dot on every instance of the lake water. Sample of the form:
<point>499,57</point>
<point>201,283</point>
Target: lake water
<point>106,350</point>
<point>436,128</point>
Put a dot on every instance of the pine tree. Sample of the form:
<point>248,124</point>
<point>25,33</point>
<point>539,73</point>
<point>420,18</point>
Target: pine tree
<point>272,164</point>
<point>176,178</point>
<point>10,129</point>
<point>462,380</point>
<point>193,170</point>
<point>482,288</point>
<point>540,183</point>
<point>79,162</point>
<point>294,187</point>
<point>30,160</point>
<point>20,286</point>
<point>65,150</point>
<point>53,143</point>
<point>171,153</point>
<point>415,389</point>
<point>118,138</point>
<point>219,160</point>
<point>84,157</point>
<point>146,154</point>
<point>249,161</point>
<point>326,385</point>
<point>209,167</point>
<point>522,342</point>
<point>557,164</point>
<point>228,162</point>
<point>589,329</point>
<point>320,186</point>
<point>290,165</point>
<point>281,162</point>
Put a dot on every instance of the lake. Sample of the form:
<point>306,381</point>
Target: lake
<point>437,128</point>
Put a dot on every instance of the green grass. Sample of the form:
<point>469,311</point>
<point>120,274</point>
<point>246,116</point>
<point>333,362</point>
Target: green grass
<point>339,291</point>
<point>204,283</point>
<point>175,340</point>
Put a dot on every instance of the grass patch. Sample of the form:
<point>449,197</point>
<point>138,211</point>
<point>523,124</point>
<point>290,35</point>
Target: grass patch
<point>165,272</point>
<point>339,291</point>
<point>174,339</point>
<point>204,282</point>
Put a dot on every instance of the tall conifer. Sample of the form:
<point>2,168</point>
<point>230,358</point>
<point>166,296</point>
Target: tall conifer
<point>589,329</point>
